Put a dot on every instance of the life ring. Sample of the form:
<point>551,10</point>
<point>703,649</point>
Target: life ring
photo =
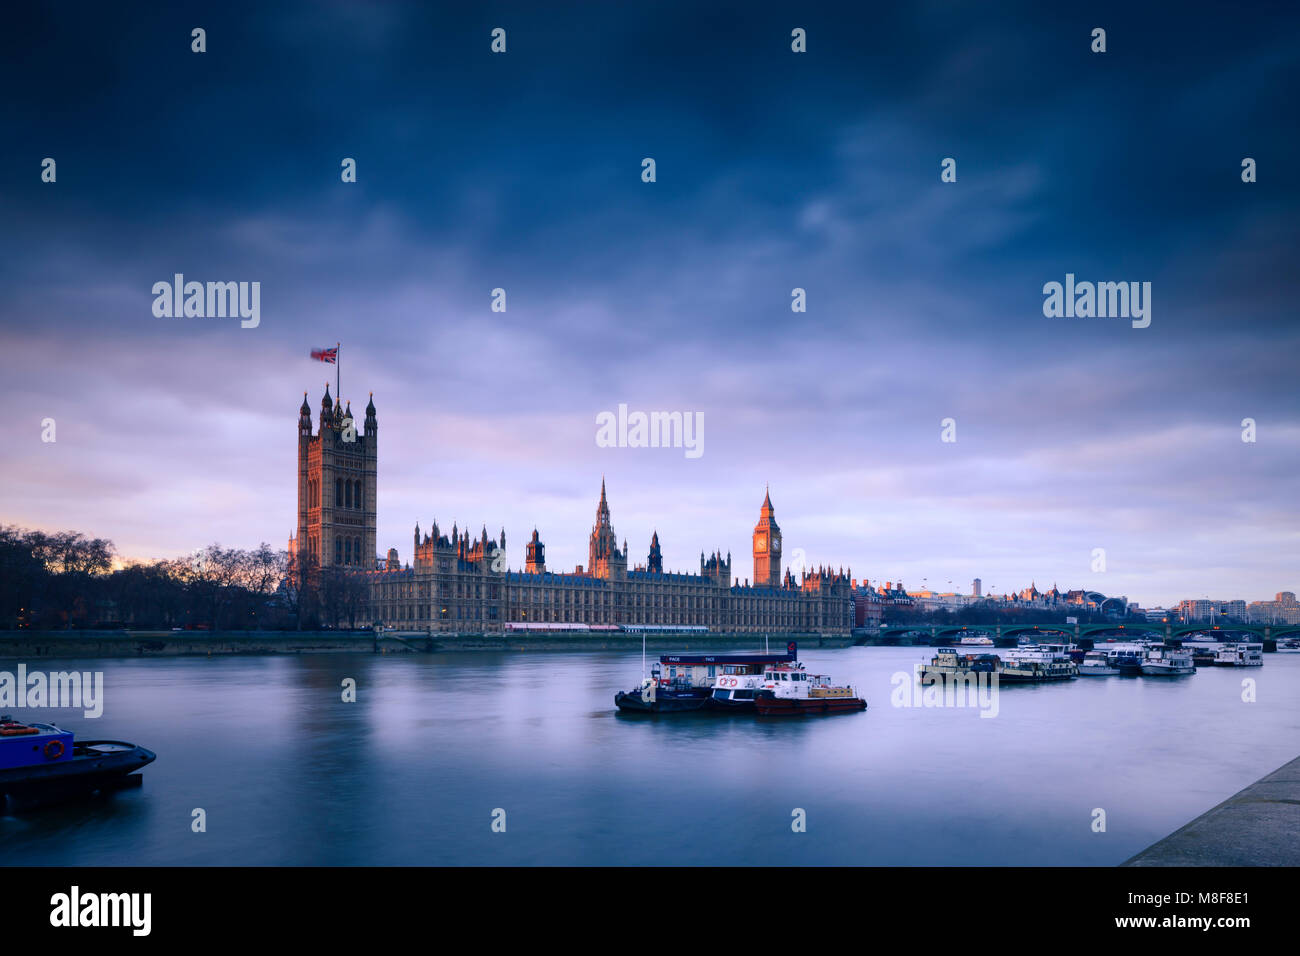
<point>54,750</point>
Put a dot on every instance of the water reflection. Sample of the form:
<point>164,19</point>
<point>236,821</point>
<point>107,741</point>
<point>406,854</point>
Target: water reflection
<point>288,773</point>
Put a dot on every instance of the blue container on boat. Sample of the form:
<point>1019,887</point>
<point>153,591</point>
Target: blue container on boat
<point>26,745</point>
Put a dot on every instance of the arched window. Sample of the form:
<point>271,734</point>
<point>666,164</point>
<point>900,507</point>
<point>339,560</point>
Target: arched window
<point>347,494</point>
<point>347,551</point>
<point>338,492</point>
<point>357,496</point>
<point>338,550</point>
<point>356,549</point>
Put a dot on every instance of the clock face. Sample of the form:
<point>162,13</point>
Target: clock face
<point>776,543</point>
<point>760,544</point>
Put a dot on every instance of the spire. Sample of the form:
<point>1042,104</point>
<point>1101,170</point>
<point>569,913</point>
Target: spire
<point>304,418</point>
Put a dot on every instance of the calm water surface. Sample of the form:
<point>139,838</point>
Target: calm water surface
<point>411,772</point>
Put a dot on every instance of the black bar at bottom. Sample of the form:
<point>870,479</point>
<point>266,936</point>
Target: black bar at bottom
<point>330,906</point>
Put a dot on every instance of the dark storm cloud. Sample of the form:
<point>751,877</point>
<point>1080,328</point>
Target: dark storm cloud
<point>819,171</point>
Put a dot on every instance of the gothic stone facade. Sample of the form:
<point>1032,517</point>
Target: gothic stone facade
<point>336,487</point>
<point>461,584</point>
<point>456,583</point>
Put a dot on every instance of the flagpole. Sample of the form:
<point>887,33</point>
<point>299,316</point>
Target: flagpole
<point>338,371</point>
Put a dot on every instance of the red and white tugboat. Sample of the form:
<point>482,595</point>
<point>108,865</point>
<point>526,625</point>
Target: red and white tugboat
<point>789,690</point>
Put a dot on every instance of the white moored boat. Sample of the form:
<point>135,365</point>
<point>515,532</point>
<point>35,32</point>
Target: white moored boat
<point>1168,662</point>
<point>1098,664</point>
<point>1039,662</point>
<point>1240,655</point>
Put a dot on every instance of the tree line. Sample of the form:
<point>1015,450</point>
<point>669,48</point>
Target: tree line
<point>53,580</point>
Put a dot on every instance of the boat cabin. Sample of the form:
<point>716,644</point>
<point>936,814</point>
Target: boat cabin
<point>702,670</point>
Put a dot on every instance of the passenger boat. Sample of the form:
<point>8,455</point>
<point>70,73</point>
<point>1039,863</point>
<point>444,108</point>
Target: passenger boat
<point>1098,664</point>
<point>1291,646</point>
<point>1240,655</point>
<point>1126,658</point>
<point>1168,662</point>
<point>40,758</point>
<point>1068,650</point>
<point>788,690</point>
<point>1041,662</point>
<point>947,662</point>
<point>687,682</point>
<point>976,641</point>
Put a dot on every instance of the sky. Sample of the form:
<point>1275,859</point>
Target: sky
<point>775,170</point>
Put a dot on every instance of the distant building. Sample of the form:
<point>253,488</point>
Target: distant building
<point>1203,610</point>
<point>868,606</point>
<point>1283,609</point>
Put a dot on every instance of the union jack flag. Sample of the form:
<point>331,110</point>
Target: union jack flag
<point>326,355</point>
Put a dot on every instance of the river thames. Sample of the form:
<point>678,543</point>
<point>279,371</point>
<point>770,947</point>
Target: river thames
<point>287,773</point>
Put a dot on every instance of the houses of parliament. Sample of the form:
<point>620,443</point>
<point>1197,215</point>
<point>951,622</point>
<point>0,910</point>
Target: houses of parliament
<point>458,583</point>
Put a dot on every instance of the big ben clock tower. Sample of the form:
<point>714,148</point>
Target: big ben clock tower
<point>767,548</point>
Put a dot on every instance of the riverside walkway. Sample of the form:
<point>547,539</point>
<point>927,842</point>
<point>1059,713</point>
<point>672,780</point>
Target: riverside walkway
<point>1260,826</point>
